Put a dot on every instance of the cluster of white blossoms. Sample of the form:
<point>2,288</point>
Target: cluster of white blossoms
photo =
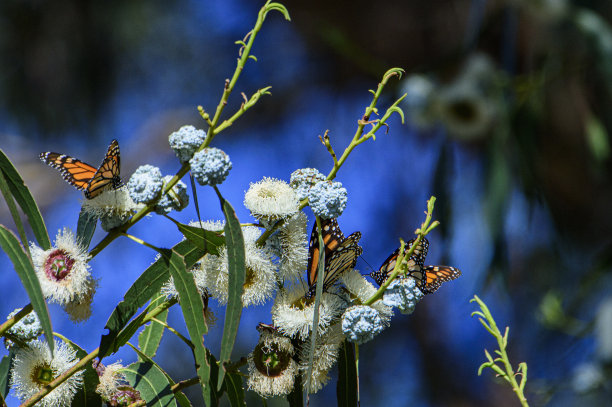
<point>276,255</point>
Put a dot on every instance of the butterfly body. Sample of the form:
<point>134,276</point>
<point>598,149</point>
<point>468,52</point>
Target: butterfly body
<point>87,177</point>
<point>340,254</point>
<point>429,278</point>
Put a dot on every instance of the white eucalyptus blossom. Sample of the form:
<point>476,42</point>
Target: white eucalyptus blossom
<point>325,356</point>
<point>35,367</point>
<point>271,199</point>
<point>110,380</point>
<point>113,207</point>
<point>272,369</point>
<point>293,247</point>
<point>260,280</point>
<point>293,315</point>
<point>63,271</point>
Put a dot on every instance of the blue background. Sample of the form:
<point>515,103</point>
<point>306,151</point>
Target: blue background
<point>168,58</point>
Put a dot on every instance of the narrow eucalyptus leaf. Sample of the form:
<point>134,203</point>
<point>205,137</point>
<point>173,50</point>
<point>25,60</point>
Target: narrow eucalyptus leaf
<point>25,200</point>
<point>295,397</point>
<point>151,335</point>
<point>149,283</point>
<point>5,367</point>
<point>86,227</point>
<point>180,396</point>
<point>192,307</point>
<point>237,273</point>
<point>346,390</point>
<point>235,389</point>
<point>201,238</point>
<point>10,202</point>
<point>152,384</point>
<point>25,270</point>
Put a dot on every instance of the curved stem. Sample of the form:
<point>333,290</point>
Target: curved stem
<point>16,318</point>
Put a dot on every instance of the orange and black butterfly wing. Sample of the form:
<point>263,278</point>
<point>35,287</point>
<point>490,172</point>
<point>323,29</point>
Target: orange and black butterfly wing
<point>415,262</point>
<point>343,258</point>
<point>107,175</point>
<point>332,237</point>
<point>436,275</point>
<point>73,170</point>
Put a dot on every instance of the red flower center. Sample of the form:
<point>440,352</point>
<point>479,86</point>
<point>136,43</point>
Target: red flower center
<point>58,265</point>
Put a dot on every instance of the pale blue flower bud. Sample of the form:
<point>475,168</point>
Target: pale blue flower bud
<point>303,179</point>
<point>145,184</point>
<point>361,323</point>
<point>210,166</point>
<point>403,293</point>
<point>327,199</point>
<point>176,199</point>
<point>186,141</point>
<point>27,329</point>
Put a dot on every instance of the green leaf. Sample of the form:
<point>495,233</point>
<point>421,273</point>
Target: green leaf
<point>86,227</point>
<point>204,239</point>
<point>86,395</point>
<point>237,273</point>
<point>193,313</point>
<point>149,283</point>
<point>151,335</point>
<point>25,200</point>
<point>5,367</point>
<point>235,389</point>
<point>295,397</point>
<point>180,396</point>
<point>346,390</point>
<point>25,270</point>
<point>8,197</point>
<point>151,382</point>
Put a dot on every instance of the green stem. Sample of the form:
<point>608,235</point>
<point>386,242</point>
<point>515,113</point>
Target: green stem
<point>357,137</point>
<point>174,331</point>
<point>244,56</point>
<point>142,242</point>
<point>426,227</point>
<point>60,379</point>
<point>212,130</point>
<point>14,319</point>
<point>357,370</point>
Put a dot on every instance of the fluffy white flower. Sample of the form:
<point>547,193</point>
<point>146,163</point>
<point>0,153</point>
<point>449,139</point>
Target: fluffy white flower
<point>272,369</point>
<point>110,380</point>
<point>271,199</point>
<point>113,207</point>
<point>360,290</point>
<point>80,310</point>
<point>34,367</point>
<point>325,355</point>
<point>293,247</point>
<point>260,280</point>
<point>292,314</point>
<point>63,271</point>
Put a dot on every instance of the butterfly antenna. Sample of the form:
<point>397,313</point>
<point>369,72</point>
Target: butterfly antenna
<point>371,268</point>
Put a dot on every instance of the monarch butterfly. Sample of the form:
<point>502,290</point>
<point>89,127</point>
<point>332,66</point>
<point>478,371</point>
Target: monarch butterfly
<point>84,176</point>
<point>429,278</point>
<point>340,254</point>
